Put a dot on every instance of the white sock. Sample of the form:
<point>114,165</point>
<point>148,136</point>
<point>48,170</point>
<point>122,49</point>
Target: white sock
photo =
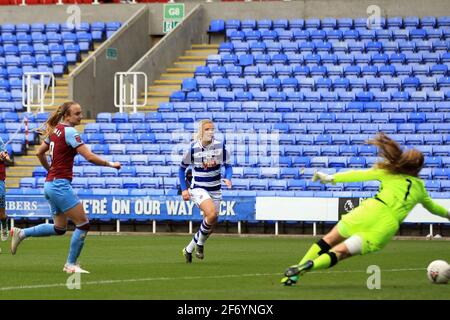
<point>203,232</point>
<point>191,246</point>
<point>200,236</point>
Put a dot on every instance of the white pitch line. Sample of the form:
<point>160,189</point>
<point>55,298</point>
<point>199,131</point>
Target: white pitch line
<point>53,285</point>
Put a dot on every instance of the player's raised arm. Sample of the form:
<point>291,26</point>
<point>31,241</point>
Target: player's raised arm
<point>358,175</point>
<point>95,159</point>
<point>74,140</point>
<point>348,176</point>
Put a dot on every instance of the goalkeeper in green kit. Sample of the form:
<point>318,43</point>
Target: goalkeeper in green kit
<point>370,226</point>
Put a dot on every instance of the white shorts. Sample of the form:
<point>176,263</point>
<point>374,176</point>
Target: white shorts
<point>199,195</point>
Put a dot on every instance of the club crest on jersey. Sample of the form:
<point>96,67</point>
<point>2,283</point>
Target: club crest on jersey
<point>78,138</point>
<point>209,163</point>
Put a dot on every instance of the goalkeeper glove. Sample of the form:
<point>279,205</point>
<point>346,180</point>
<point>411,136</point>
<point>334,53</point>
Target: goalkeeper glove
<point>322,177</point>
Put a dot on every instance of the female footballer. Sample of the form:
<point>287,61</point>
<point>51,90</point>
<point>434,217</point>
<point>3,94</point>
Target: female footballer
<point>206,156</point>
<point>370,226</point>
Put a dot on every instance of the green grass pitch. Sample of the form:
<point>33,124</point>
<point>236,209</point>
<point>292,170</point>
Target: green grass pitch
<point>152,267</point>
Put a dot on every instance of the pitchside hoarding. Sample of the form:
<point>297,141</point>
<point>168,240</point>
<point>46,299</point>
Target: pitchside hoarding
<point>231,209</point>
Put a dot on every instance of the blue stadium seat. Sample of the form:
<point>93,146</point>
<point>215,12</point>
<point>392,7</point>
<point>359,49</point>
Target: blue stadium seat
<point>126,170</point>
<point>337,162</point>
<point>241,184</point>
<point>329,151</point>
<point>92,171</point>
<point>233,24</point>
<point>319,162</point>
<point>296,185</point>
<point>432,185</point>
<point>356,162</point>
<point>314,186</point>
<point>96,183</point>
<point>113,182</point>
<point>444,186</point>
<point>352,128</point>
<point>28,183</point>
<point>80,183</point>
<point>108,172</point>
<point>131,183</point>
<point>348,150</point>
<point>257,184</point>
<point>440,173</point>
<point>216,26</point>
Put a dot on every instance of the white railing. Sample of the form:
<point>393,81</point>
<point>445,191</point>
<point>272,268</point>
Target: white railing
<point>34,90</point>
<point>126,90</point>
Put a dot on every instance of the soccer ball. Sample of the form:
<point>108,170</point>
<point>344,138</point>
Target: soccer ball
<point>438,272</point>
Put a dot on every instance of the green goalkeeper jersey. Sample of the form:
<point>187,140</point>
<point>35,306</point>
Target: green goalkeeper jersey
<point>400,192</point>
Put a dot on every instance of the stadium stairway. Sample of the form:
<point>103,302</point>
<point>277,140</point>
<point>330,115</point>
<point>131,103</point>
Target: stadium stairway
<point>158,92</point>
<point>171,80</point>
<point>24,165</point>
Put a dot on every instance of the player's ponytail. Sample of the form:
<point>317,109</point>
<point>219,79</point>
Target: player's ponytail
<point>55,118</point>
<point>408,162</point>
<point>199,134</point>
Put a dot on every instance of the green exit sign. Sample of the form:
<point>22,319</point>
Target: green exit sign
<point>168,25</point>
<point>174,11</point>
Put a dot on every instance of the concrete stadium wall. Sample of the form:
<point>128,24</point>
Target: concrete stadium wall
<point>188,32</point>
<point>156,15</point>
<point>161,57</point>
<point>92,83</point>
<point>322,8</point>
<point>228,10</point>
<point>54,13</point>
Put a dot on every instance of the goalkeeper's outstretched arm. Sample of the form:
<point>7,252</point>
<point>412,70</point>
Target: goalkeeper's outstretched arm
<point>349,176</point>
<point>435,208</point>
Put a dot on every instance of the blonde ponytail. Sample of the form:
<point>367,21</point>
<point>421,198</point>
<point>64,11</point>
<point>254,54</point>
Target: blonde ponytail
<point>47,128</point>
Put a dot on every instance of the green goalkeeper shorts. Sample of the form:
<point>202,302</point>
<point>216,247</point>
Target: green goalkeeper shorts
<point>373,222</point>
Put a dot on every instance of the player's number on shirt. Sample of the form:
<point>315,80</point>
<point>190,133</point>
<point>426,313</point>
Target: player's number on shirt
<point>51,147</point>
<point>407,190</point>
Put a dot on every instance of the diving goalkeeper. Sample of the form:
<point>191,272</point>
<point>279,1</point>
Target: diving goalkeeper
<point>370,226</point>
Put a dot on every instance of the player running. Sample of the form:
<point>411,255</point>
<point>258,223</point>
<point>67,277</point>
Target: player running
<point>370,226</point>
<point>64,142</point>
<point>206,156</point>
